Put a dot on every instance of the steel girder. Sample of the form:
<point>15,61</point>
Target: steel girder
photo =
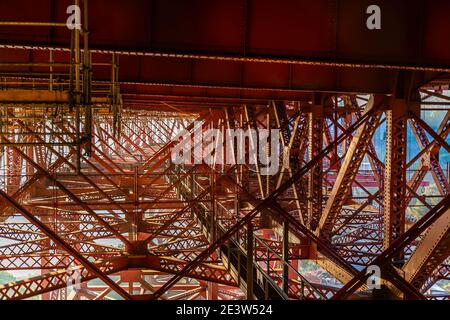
<point>209,50</point>
<point>395,176</point>
<point>349,168</point>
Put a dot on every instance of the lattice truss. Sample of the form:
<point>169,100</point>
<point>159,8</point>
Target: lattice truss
<point>362,181</point>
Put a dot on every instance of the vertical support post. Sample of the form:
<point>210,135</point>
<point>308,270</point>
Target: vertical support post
<point>285,257</point>
<point>335,156</point>
<point>271,123</point>
<point>249,262</point>
<point>29,167</point>
<point>212,226</point>
<point>238,264</point>
<point>395,172</point>
<point>51,69</point>
<point>115,95</point>
<point>236,202</point>
<point>212,291</point>
<point>395,176</point>
<point>212,287</point>
<point>135,221</point>
<point>77,93</point>
<point>87,74</point>
<point>315,137</point>
<point>47,243</point>
<point>448,172</point>
<point>252,124</point>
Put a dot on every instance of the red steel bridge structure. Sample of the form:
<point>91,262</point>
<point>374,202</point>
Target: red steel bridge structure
<point>92,205</point>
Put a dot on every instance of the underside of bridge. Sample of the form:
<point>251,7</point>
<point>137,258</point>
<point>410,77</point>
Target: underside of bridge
<point>94,204</point>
